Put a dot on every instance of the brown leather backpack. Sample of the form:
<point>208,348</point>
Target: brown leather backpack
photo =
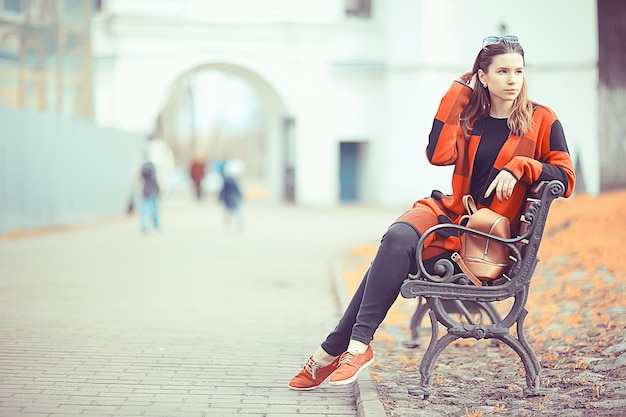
<point>481,258</point>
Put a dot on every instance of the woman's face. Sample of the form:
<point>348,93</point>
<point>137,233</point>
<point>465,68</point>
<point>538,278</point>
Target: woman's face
<point>504,77</point>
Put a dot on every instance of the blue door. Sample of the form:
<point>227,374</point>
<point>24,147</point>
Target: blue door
<point>349,154</point>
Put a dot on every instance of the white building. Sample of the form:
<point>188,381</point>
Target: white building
<point>347,101</point>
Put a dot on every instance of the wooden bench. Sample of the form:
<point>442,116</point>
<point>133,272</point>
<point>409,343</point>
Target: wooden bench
<point>448,292</point>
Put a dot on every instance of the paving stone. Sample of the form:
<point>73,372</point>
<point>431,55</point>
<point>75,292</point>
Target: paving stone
<point>99,319</point>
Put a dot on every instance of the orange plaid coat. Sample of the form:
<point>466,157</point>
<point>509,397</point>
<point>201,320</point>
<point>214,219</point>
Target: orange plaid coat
<point>541,154</point>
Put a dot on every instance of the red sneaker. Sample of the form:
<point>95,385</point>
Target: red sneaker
<point>312,375</point>
<point>350,364</point>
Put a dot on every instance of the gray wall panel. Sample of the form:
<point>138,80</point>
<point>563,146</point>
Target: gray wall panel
<point>57,171</point>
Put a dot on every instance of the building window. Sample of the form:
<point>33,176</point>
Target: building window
<point>359,8</point>
<point>13,5</point>
<point>77,7</point>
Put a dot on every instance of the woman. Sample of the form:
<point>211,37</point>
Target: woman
<point>500,143</point>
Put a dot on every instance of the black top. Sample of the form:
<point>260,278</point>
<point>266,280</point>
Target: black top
<point>150,183</point>
<point>494,133</point>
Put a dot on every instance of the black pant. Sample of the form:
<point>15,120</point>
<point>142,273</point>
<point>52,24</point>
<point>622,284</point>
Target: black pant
<point>378,289</point>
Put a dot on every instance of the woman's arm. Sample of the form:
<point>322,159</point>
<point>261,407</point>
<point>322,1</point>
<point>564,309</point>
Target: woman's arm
<point>553,160</point>
<point>442,140</point>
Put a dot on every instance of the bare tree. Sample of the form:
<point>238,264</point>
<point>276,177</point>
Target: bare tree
<point>612,93</point>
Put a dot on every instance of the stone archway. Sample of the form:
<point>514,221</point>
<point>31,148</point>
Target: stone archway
<point>211,135</point>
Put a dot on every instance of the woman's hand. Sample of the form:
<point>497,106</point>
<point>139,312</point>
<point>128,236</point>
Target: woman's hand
<point>468,78</point>
<point>503,184</point>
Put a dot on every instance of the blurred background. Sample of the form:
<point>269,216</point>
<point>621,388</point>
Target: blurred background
<point>321,102</point>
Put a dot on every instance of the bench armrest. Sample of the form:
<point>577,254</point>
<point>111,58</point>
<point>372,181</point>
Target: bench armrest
<point>540,196</point>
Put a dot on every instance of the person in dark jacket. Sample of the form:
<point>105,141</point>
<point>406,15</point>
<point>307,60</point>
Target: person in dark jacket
<point>150,197</point>
<point>230,196</point>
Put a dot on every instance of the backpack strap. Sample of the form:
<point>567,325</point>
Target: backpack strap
<point>470,208</point>
<point>459,260</point>
<point>470,205</point>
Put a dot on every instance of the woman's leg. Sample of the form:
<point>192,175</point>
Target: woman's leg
<point>378,290</point>
<point>365,311</point>
<point>388,271</point>
<point>337,341</point>
<point>390,268</point>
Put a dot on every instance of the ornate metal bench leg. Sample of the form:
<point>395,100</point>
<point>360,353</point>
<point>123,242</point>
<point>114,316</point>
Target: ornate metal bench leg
<point>530,361</point>
<point>463,308</point>
<point>533,387</point>
<point>493,315</point>
<point>435,347</point>
<point>491,311</point>
<point>416,320</point>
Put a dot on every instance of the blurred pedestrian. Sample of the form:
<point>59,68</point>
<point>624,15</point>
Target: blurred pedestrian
<point>230,196</point>
<point>150,197</point>
<point>197,171</point>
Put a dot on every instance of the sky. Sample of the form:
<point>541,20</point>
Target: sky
<point>224,100</point>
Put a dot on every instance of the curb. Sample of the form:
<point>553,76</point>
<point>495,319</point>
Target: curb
<point>367,402</point>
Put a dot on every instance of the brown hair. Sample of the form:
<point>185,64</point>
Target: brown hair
<point>520,121</point>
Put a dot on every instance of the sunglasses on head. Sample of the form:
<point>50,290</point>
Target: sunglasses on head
<point>493,40</point>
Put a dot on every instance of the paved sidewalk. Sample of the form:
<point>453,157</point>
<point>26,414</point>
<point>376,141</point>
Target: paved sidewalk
<point>195,320</point>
